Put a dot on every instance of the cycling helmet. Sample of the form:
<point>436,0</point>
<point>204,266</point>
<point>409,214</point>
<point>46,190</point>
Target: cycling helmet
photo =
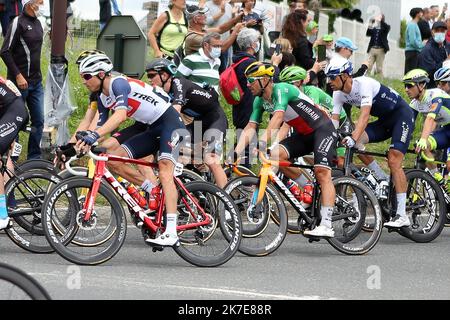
<point>338,65</point>
<point>161,64</point>
<point>416,76</point>
<point>96,63</point>
<point>293,73</point>
<point>259,69</point>
<point>442,74</point>
<point>87,53</point>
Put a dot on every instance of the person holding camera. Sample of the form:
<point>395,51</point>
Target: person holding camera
<point>378,46</point>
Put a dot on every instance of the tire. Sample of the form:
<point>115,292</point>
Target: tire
<point>348,221</point>
<point>267,234</point>
<point>189,176</point>
<point>424,232</point>
<point>231,175</point>
<point>203,240</point>
<point>30,288</point>
<point>26,230</point>
<point>63,244</point>
<point>37,164</point>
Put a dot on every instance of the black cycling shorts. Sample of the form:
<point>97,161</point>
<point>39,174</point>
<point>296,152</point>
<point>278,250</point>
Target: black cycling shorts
<point>323,142</point>
<point>170,130</point>
<point>13,118</point>
<point>129,132</point>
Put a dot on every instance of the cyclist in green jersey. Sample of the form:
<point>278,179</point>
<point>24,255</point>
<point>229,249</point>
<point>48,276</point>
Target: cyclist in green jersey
<point>313,132</point>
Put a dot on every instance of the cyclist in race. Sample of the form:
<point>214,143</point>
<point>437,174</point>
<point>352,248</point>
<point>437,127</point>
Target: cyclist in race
<point>442,79</point>
<point>200,104</point>
<point>314,132</point>
<point>130,98</point>
<point>296,75</point>
<point>395,121</point>
<point>435,104</point>
<point>13,117</point>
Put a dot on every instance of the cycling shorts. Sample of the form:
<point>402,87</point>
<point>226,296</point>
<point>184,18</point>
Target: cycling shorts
<point>399,125</point>
<point>13,118</point>
<point>322,142</point>
<point>125,134</point>
<point>171,132</point>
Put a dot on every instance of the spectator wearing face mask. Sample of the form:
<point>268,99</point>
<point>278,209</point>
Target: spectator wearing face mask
<point>435,52</point>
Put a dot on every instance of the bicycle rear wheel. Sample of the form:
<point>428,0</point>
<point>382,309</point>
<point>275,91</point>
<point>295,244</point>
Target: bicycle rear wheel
<point>206,246</point>
<point>264,225</point>
<point>351,214</point>
<point>17,285</point>
<point>106,226</point>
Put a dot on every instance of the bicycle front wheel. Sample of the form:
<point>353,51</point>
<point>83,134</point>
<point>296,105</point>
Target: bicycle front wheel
<point>355,207</point>
<point>106,225</point>
<point>206,246</point>
<point>17,285</point>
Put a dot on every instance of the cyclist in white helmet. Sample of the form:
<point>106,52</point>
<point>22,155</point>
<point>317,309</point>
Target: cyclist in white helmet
<point>130,98</point>
<point>442,79</point>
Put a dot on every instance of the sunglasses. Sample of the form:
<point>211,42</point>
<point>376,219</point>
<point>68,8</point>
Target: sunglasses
<point>87,76</point>
<point>333,77</point>
<point>442,83</point>
<point>410,85</point>
<point>253,79</point>
<point>151,75</point>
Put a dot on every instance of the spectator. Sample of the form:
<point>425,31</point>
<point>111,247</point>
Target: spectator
<point>202,67</point>
<point>294,31</point>
<point>197,29</point>
<point>328,40</point>
<point>413,40</point>
<point>345,48</point>
<point>295,5</point>
<point>219,13</point>
<point>105,12</point>
<point>169,30</point>
<point>378,45</point>
<point>424,25</point>
<point>447,34</point>
<point>287,60</point>
<point>285,44</point>
<point>4,17</point>
<point>21,53</point>
<point>9,9</point>
<point>435,52</point>
<point>286,50</point>
<point>434,15</point>
<point>312,29</point>
<point>252,18</point>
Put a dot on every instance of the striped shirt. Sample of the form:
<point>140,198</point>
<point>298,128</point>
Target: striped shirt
<point>200,69</point>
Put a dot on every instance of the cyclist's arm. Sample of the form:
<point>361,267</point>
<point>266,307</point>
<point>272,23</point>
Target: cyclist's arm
<point>119,116</point>
<point>90,118</point>
<point>273,126</point>
<point>337,109</point>
<point>246,137</point>
<point>282,133</point>
<point>429,125</point>
<point>363,120</point>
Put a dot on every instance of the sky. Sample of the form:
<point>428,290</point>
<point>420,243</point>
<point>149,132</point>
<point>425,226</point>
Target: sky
<point>88,9</point>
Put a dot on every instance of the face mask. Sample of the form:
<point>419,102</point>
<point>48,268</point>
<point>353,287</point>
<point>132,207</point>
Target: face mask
<point>312,38</point>
<point>439,37</point>
<point>39,13</point>
<point>215,52</point>
<point>258,47</point>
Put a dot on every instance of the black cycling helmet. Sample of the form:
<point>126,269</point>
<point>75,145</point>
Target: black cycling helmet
<point>161,64</point>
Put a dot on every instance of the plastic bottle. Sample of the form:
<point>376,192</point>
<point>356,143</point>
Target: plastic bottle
<point>308,193</point>
<point>133,192</point>
<point>296,191</point>
<point>154,198</point>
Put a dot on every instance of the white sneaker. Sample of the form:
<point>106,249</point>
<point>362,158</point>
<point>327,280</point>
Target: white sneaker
<point>4,223</point>
<point>320,231</point>
<point>165,240</point>
<point>398,222</point>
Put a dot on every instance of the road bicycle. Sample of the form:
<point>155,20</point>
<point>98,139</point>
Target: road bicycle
<point>262,203</point>
<point>98,213</point>
<point>425,202</point>
<point>17,285</point>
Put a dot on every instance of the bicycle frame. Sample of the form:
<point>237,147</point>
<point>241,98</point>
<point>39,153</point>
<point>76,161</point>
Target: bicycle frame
<point>101,171</point>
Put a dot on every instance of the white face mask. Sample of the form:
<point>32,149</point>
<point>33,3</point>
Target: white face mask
<point>215,52</point>
<point>40,12</point>
<point>258,47</point>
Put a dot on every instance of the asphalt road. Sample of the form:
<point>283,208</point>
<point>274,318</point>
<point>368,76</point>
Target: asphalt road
<point>396,268</point>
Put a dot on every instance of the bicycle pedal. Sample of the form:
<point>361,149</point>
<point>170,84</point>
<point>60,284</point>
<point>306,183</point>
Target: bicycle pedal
<point>156,248</point>
<point>312,239</point>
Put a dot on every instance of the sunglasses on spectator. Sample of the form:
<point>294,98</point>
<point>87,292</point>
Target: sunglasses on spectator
<point>410,85</point>
<point>152,75</point>
<point>87,76</point>
<point>253,79</point>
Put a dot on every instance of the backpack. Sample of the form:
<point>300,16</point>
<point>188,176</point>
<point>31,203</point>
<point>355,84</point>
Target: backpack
<point>229,84</point>
<point>179,53</point>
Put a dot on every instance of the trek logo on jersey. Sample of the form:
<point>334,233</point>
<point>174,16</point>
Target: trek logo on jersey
<point>145,98</point>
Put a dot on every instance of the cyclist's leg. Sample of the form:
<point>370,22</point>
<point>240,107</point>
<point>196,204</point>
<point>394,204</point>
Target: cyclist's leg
<point>214,135</point>
<point>375,132</point>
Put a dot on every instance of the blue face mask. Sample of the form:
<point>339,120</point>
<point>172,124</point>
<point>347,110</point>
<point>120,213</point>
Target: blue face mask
<point>439,37</point>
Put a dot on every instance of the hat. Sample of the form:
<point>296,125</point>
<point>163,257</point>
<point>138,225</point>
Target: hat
<point>439,24</point>
<point>344,42</point>
<point>193,10</point>
<point>327,37</point>
<point>311,25</point>
<point>25,2</point>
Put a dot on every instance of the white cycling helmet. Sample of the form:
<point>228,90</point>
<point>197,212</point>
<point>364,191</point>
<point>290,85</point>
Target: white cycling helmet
<point>338,65</point>
<point>442,74</point>
<point>96,63</point>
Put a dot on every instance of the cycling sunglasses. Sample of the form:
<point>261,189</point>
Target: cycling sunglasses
<point>333,77</point>
<point>410,85</point>
<point>151,75</point>
<point>442,83</point>
<point>253,79</point>
<point>87,76</point>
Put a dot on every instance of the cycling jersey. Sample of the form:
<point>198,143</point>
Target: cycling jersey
<point>368,92</point>
<point>93,101</point>
<point>8,92</point>
<point>299,110</point>
<point>321,98</point>
<point>142,102</point>
<point>436,104</point>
